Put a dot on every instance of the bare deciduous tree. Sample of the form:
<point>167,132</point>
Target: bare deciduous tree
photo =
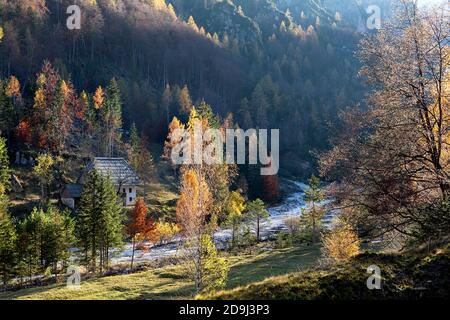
<point>393,161</point>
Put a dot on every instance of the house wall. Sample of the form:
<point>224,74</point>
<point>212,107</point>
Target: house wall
<point>69,202</point>
<point>130,195</point>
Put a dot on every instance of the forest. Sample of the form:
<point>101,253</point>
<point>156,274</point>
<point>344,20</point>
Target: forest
<point>363,118</point>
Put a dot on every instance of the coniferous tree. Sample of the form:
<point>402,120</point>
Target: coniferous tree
<point>10,98</point>
<point>171,11</point>
<point>7,229</point>
<point>99,221</point>
<point>257,211</point>
<point>44,241</point>
<point>8,254</point>
<point>184,101</point>
<point>4,165</point>
<point>234,209</point>
<point>134,138</point>
<point>312,215</point>
<point>44,171</point>
<point>111,118</point>
<point>191,23</point>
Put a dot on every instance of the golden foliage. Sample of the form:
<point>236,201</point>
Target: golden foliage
<point>13,87</point>
<point>172,140</point>
<point>194,202</point>
<point>98,98</point>
<point>341,243</point>
<point>44,166</point>
<point>39,99</point>
<point>165,231</point>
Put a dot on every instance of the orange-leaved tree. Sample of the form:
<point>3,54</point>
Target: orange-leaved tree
<point>140,228</point>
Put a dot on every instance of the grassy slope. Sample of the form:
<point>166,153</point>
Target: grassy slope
<point>169,282</point>
<point>407,276</point>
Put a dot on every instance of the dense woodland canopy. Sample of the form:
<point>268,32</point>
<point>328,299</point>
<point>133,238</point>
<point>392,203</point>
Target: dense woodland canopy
<point>270,67</point>
<point>370,105</point>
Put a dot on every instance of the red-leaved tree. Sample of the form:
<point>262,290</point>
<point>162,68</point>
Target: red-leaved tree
<point>140,228</point>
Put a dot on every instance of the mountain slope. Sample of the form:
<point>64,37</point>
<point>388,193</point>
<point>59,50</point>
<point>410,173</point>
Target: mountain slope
<point>407,276</point>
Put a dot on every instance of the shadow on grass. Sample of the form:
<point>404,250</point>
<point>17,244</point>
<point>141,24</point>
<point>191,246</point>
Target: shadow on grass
<point>273,264</point>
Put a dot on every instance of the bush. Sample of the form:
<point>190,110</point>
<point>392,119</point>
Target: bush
<point>284,240</point>
<point>341,243</point>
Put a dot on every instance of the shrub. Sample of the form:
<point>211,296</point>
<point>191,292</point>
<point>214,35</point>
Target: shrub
<point>341,243</point>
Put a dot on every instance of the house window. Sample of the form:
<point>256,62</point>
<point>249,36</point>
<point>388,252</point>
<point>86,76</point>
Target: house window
<point>130,190</point>
<point>131,199</point>
<point>123,190</point>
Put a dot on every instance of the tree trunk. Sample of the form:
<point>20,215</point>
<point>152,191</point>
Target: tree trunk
<point>257,228</point>
<point>132,254</point>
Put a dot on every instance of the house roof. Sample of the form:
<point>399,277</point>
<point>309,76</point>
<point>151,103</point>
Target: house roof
<point>118,170</point>
<point>72,190</point>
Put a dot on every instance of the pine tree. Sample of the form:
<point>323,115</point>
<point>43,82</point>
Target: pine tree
<point>8,238</point>
<point>312,215</point>
<point>171,11</point>
<point>44,240</point>
<point>214,269</point>
<point>4,166</point>
<point>260,106</point>
<point>166,102</point>
<point>225,41</point>
<point>191,23</point>
<point>44,171</point>
<point>99,221</point>
<point>234,208</point>
<point>282,28</point>
<point>10,97</point>
<point>244,114</point>
<point>184,101</point>
<point>215,39</point>
<point>134,138</point>
<point>337,17</point>
<point>111,118</point>
<point>98,98</point>
<point>257,211</point>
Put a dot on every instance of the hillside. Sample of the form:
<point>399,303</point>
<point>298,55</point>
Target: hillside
<point>246,58</point>
<point>404,276</point>
<point>224,149</point>
<point>170,282</point>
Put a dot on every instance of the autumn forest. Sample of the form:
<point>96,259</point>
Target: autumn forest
<point>96,96</point>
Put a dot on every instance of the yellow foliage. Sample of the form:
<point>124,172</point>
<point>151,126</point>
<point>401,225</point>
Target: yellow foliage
<point>40,81</point>
<point>39,99</point>
<point>341,243</point>
<point>64,88</point>
<point>98,98</point>
<point>165,231</point>
<point>194,119</point>
<point>236,203</point>
<point>43,167</point>
<point>194,202</point>
<point>13,87</point>
<point>191,23</point>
